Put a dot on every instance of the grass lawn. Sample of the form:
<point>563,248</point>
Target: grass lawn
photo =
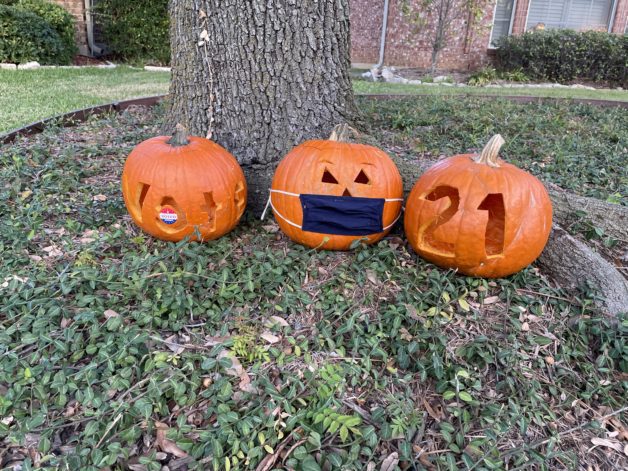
<point>31,95</point>
<point>119,351</point>
<point>364,87</point>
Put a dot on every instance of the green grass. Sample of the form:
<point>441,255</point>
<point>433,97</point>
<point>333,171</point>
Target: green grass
<point>31,95</point>
<point>28,96</point>
<point>118,350</point>
<point>364,87</point>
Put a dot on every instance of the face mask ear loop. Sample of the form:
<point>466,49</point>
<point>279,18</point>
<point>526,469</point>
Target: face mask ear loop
<point>270,195</point>
<point>277,213</point>
<point>403,208</point>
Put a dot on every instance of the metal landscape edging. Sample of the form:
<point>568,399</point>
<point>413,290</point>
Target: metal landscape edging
<point>76,116</point>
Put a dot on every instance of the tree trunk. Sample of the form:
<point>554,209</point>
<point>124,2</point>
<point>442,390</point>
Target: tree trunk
<point>260,76</point>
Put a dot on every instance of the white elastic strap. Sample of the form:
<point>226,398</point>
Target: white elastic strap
<point>266,207</point>
<point>393,199</point>
<point>285,192</point>
<point>277,213</point>
<point>393,223</point>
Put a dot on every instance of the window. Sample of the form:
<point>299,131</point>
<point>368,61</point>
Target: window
<point>502,22</point>
<point>572,14</point>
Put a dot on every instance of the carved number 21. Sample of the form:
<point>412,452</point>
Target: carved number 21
<point>493,203</point>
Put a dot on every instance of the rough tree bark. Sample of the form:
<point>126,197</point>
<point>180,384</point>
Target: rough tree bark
<point>261,76</point>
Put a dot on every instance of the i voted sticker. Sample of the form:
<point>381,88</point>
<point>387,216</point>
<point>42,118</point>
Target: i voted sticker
<point>168,215</point>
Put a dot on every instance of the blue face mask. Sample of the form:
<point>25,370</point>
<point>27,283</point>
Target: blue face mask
<point>339,215</point>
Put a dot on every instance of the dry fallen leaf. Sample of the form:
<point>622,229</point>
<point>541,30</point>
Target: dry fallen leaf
<point>166,445</point>
<point>270,338</point>
<point>25,194</point>
<point>100,198</point>
<point>390,463</point>
<point>614,444</point>
<point>173,344</point>
<point>491,300</point>
<point>109,313</point>
<point>371,276</point>
<point>411,310</point>
<point>276,320</point>
<point>237,370</point>
<point>53,251</point>
<point>436,414</point>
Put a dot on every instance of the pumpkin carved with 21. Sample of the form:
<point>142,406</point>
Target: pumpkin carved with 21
<point>181,186</point>
<point>479,214</point>
<point>327,194</point>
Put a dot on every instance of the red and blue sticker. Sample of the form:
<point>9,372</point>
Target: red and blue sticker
<point>168,215</point>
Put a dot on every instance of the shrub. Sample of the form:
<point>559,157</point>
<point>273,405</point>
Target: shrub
<point>25,36</point>
<point>136,31</point>
<point>489,75</point>
<point>565,55</point>
<point>57,16</point>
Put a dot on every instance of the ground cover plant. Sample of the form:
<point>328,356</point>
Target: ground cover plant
<point>118,351</point>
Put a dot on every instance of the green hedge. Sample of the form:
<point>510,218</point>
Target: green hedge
<point>25,36</point>
<point>58,17</point>
<point>565,55</point>
<point>136,31</point>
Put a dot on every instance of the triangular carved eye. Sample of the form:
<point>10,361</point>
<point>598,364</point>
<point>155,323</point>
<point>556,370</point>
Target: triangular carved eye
<point>362,178</point>
<point>329,178</point>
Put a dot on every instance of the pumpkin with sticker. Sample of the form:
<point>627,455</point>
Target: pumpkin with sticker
<point>330,193</point>
<point>183,186</point>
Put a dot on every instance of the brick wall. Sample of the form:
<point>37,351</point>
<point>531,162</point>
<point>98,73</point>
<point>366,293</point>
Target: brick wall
<point>77,8</point>
<point>621,17</point>
<point>410,46</point>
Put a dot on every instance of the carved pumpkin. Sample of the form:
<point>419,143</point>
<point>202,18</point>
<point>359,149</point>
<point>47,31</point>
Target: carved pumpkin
<point>183,186</point>
<point>479,214</point>
<point>328,193</point>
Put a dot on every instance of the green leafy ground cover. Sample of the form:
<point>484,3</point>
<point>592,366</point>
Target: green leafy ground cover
<point>118,351</point>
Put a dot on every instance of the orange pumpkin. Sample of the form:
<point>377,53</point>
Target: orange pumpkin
<point>350,175</point>
<point>479,214</point>
<point>183,186</point>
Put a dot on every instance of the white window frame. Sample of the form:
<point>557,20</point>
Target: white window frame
<point>512,19</point>
<point>611,19</point>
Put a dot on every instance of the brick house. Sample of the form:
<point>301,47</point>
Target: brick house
<point>408,46</point>
<point>78,9</point>
<point>470,43</point>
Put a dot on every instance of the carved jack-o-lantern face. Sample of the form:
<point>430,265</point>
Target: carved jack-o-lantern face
<point>364,181</point>
<point>479,215</point>
<point>174,190</point>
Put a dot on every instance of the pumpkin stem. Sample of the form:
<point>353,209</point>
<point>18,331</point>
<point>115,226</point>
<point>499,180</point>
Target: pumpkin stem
<point>179,137</point>
<point>490,153</point>
<point>342,132</point>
